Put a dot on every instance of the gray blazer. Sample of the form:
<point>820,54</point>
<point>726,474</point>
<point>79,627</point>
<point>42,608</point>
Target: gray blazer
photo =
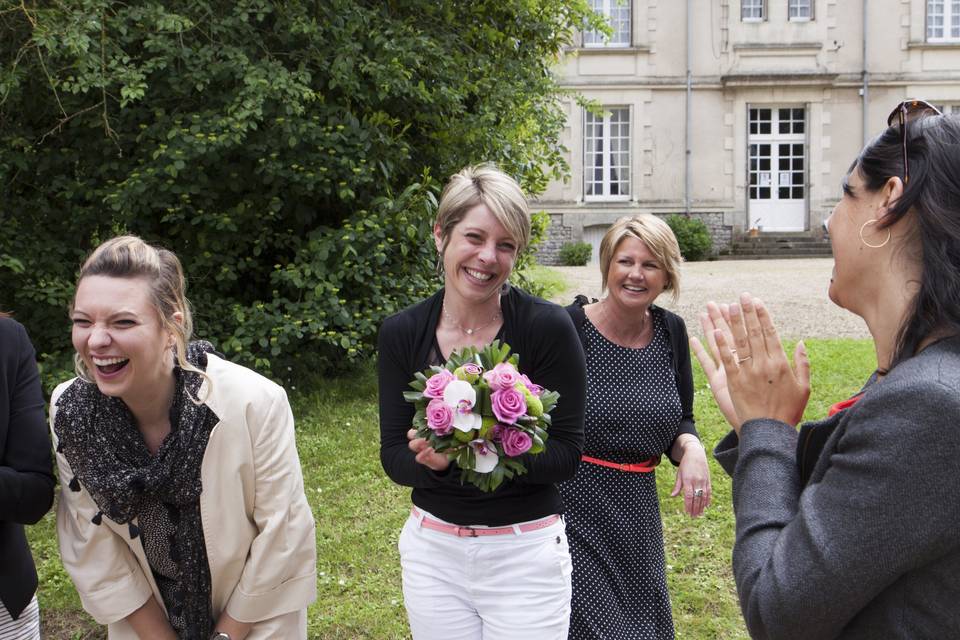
<point>870,547</point>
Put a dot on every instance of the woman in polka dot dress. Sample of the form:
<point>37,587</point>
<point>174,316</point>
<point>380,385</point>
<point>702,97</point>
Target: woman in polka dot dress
<point>639,406</point>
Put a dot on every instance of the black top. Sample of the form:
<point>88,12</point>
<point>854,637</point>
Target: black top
<point>26,466</point>
<point>550,354</point>
<point>679,357</point>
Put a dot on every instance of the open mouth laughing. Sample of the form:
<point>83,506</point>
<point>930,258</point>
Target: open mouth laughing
<point>110,366</point>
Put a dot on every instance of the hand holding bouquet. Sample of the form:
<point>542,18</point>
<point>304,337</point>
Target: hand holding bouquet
<point>482,412</point>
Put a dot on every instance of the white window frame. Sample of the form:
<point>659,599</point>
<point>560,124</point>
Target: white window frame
<point>605,154</point>
<point>949,108</point>
<point>949,13</point>
<point>799,6</point>
<point>753,5</point>
<point>619,15</point>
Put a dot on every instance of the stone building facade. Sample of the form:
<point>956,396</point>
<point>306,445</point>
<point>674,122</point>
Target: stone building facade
<point>744,113</point>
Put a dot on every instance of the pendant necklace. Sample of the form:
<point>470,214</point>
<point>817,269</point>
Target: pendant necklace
<point>464,330</point>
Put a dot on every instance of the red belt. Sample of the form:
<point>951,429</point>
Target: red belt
<point>474,532</point>
<point>634,467</point>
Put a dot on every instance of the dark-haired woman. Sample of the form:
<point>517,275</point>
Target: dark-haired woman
<point>26,478</point>
<point>849,528</point>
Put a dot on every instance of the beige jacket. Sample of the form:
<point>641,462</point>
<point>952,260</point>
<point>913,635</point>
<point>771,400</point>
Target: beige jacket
<point>257,525</point>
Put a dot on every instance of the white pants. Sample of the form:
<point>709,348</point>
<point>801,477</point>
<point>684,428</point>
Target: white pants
<point>486,588</point>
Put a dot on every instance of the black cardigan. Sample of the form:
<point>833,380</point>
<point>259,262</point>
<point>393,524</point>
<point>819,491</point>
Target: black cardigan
<point>678,341</point>
<point>26,466</point>
<point>550,354</point>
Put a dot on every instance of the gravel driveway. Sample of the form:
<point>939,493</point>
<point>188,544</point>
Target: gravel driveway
<point>795,291</point>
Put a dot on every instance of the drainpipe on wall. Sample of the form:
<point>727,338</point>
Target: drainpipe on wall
<point>686,128</point>
<point>865,89</point>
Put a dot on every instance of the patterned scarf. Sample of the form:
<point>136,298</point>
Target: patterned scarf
<point>98,436</point>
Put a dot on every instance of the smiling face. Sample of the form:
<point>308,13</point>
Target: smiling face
<point>120,337</point>
<point>854,265</point>
<point>635,277</point>
<point>478,257</point>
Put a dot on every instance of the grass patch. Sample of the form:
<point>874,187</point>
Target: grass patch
<point>552,281</point>
<point>359,513</point>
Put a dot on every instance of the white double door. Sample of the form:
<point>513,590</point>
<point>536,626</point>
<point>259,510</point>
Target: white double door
<point>776,150</point>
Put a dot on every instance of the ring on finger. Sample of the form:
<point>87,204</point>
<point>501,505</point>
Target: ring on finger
<point>743,359</point>
<point>698,493</point>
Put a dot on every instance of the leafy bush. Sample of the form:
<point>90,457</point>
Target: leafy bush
<point>289,152</point>
<point>575,254</point>
<point>692,235</point>
<point>522,270</point>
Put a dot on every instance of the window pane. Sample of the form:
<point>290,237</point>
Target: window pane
<point>935,18</point>
<point>799,9</point>
<point>617,15</point>
<point>751,10</point>
<point>607,153</point>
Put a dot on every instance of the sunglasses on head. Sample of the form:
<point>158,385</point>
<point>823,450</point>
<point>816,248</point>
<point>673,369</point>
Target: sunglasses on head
<point>908,111</point>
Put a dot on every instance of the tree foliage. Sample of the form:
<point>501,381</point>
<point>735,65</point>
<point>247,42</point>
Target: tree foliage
<point>289,152</point>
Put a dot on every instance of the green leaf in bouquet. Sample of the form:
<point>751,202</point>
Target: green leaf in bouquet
<point>498,475</point>
<point>486,428</point>
<point>464,436</point>
<point>545,420</point>
<point>413,396</point>
<point>549,400</point>
<point>537,446</point>
<point>540,433</point>
<point>514,466</point>
<point>514,360</point>
<point>483,400</point>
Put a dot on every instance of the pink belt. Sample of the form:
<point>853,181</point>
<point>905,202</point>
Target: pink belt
<point>473,532</point>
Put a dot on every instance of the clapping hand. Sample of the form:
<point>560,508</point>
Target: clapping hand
<point>748,370</point>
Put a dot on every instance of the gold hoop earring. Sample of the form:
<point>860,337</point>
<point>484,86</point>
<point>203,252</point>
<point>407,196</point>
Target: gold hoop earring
<point>873,246</point>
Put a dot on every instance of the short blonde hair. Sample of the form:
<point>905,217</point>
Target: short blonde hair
<point>131,257</point>
<point>488,185</point>
<point>653,232</point>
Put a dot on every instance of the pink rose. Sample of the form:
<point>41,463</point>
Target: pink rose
<point>437,383</point>
<point>502,376</point>
<point>535,389</point>
<point>515,441</point>
<point>439,417</point>
<point>508,404</point>
<point>472,368</point>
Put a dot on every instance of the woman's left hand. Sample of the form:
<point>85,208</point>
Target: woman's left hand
<point>426,454</point>
<point>693,478</point>
<point>761,382</point>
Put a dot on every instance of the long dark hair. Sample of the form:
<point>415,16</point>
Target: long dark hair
<point>933,194</point>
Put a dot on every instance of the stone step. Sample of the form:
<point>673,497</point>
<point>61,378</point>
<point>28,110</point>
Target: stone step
<point>801,251</point>
<point>780,245</point>
<point>769,257</point>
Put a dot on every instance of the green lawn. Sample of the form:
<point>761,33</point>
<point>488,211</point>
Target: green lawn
<point>359,513</point>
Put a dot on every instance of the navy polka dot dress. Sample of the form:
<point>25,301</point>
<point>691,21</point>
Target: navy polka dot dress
<point>613,517</point>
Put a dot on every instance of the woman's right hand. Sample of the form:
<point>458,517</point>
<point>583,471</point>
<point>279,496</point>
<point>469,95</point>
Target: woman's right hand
<point>716,318</point>
<point>426,454</point>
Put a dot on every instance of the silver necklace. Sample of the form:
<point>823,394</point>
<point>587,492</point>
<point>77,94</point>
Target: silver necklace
<point>464,330</point>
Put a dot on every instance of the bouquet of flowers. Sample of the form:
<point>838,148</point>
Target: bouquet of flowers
<point>482,412</point>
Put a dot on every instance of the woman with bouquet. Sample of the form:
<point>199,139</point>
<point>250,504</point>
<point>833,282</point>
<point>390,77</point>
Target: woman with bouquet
<point>182,512</point>
<point>848,529</point>
<point>639,406</point>
<point>482,564</point>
